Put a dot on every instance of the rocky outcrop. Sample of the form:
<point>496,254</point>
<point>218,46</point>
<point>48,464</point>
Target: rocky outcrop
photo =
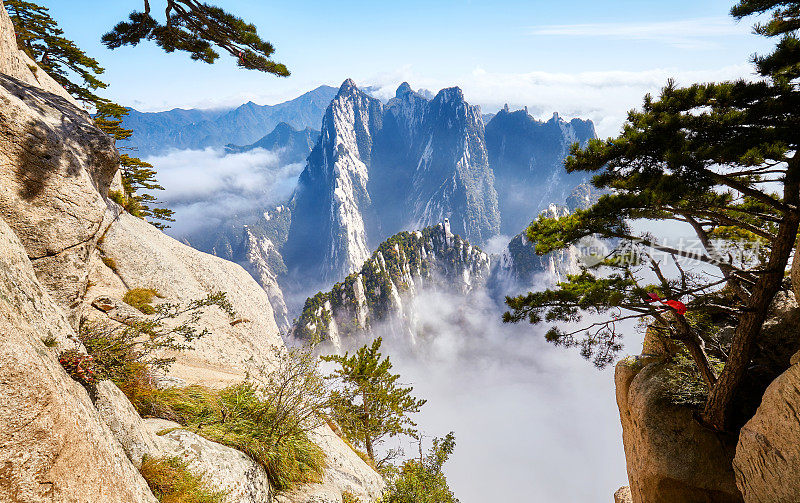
<point>54,166</point>
<point>53,446</point>
<point>623,495</point>
<point>767,458</point>
<point>671,458</point>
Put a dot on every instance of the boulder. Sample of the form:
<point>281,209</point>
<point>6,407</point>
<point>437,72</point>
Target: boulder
<point>225,469</point>
<point>671,458</point>
<point>767,461</point>
<point>53,445</point>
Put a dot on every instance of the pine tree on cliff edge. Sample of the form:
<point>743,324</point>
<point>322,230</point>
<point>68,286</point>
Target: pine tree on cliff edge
<point>721,159</point>
<point>370,404</point>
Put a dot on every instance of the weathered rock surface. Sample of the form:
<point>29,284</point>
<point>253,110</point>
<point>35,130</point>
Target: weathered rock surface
<point>623,495</point>
<point>17,64</point>
<point>767,461</point>
<point>225,469</point>
<point>128,428</point>
<point>670,457</point>
<point>53,446</point>
<point>346,472</point>
<point>144,257</point>
<point>54,164</point>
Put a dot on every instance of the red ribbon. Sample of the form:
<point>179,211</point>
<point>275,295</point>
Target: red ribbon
<point>678,306</point>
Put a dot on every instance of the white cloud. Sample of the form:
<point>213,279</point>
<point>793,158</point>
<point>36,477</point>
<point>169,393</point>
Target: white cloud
<point>603,96</point>
<point>685,33</point>
<point>206,187</point>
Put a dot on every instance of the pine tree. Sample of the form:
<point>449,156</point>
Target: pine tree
<point>138,177</point>
<point>39,36</point>
<point>719,158</point>
<point>371,404</point>
<point>197,28</point>
<point>423,480</point>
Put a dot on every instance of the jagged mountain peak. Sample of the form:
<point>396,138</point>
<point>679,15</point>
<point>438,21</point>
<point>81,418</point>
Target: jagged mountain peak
<point>348,87</point>
<point>450,94</point>
<point>403,89</point>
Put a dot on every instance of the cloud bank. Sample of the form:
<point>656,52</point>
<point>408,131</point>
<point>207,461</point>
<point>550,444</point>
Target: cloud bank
<point>207,187</point>
<point>533,423</point>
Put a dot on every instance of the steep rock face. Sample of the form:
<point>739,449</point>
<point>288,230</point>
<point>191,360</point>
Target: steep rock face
<point>670,457</point>
<point>328,232</point>
<point>767,456</point>
<point>54,164</point>
<point>527,157</point>
<point>53,446</point>
<point>144,257</point>
<point>377,170</point>
<point>380,290</point>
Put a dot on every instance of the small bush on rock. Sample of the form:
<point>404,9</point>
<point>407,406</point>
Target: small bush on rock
<point>141,299</point>
<point>83,368</point>
<point>172,482</point>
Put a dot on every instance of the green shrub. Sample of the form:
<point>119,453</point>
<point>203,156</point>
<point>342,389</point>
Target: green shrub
<point>422,481</point>
<point>50,341</point>
<point>130,354</point>
<point>238,417</point>
<point>141,299</point>
<point>348,497</point>
<point>172,482</point>
<point>684,382</point>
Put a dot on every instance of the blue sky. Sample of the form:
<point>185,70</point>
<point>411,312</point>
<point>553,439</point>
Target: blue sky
<point>579,57</point>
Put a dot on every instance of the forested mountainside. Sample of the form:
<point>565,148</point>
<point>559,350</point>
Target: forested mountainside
<point>433,258</point>
<point>158,132</point>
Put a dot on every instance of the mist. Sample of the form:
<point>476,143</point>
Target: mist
<point>533,422</point>
<point>208,187</point>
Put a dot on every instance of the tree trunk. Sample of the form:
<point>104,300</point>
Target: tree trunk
<point>718,407</point>
<point>367,436</point>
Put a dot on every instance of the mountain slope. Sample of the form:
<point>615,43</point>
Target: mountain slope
<point>157,132</point>
<point>527,157</point>
<point>377,170</point>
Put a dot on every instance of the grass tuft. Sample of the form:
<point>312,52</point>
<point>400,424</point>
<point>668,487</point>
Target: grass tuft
<point>141,299</point>
<point>172,482</point>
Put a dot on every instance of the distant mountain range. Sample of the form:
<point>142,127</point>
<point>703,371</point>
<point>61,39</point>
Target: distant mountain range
<point>159,132</point>
<point>375,169</point>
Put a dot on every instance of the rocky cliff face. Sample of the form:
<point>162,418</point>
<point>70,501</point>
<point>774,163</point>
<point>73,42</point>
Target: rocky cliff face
<point>68,255</point>
<point>527,157</point>
<point>380,291</point>
<point>377,170</point>
<point>671,457</point>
